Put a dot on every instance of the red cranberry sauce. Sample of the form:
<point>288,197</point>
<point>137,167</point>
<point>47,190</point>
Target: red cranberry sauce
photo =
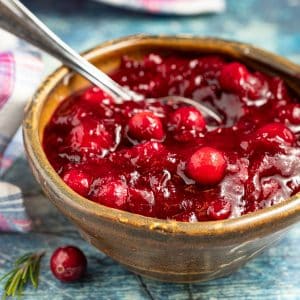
<point>168,161</point>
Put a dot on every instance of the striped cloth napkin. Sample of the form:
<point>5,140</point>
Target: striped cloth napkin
<point>20,73</point>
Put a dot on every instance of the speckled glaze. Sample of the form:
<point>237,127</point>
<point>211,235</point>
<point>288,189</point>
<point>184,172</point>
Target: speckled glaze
<point>165,250</point>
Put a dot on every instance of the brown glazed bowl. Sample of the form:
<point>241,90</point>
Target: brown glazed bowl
<point>165,250</point>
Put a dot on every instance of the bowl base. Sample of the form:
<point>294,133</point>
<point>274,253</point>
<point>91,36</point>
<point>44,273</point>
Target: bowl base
<point>179,277</point>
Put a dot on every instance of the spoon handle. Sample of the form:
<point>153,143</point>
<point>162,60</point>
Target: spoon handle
<point>17,19</point>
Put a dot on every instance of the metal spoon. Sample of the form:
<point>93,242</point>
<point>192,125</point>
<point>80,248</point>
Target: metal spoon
<point>17,19</point>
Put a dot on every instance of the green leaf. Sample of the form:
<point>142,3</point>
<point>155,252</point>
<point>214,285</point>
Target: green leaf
<point>6,275</point>
<point>22,259</point>
<point>26,269</point>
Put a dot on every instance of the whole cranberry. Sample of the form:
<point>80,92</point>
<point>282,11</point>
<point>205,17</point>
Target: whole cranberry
<point>207,166</point>
<point>273,135</point>
<point>110,192</point>
<point>68,263</point>
<point>90,136</point>
<point>257,86</point>
<point>186,122</point>
<point>291,113</point>
<point>233,77</point>
<point>78,181</point>
<point>145,126</point>
<point>95,95</point>
<point>219,209</point>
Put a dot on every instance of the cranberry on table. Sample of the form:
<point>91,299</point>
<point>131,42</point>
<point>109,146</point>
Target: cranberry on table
<point>146,126</point>
<point>68,263</point>
<point>207,166</point>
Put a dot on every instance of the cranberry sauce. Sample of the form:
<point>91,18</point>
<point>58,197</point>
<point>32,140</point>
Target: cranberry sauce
<point>168,161</point>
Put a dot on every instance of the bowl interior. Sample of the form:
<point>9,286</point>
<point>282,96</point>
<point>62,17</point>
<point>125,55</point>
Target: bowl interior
<point>107,57</point>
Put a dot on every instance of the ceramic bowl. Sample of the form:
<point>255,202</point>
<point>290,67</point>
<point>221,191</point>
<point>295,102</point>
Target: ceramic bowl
<point>165,250</point>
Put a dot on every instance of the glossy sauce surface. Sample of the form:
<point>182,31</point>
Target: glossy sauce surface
<point>169,161</point>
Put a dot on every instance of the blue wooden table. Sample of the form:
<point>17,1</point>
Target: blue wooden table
<point>271,24</point>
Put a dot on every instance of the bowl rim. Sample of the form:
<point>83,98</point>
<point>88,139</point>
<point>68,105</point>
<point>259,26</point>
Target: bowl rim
<point>280,215</point>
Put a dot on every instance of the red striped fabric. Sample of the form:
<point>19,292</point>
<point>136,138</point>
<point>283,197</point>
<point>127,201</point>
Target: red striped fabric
<point>7,76</point>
